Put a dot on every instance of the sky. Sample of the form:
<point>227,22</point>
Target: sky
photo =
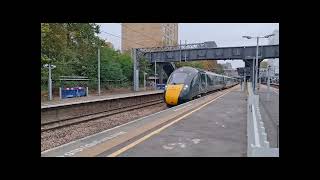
<point>224,34</point>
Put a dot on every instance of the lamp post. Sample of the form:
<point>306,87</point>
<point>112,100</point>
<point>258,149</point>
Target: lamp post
<point>268,83</point>
<point>99,70</point>
<point>49,66</point>
<point>144,80</point>
<point>155,74</point>
<point>257,61</point>
<point>99,92</point>
<point>245,82</point>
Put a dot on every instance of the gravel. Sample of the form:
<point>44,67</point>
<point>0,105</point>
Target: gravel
<point>57,137</point>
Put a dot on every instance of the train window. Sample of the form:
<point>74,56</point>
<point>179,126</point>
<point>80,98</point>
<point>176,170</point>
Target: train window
<point>203,79</point>
<point>178,78</point>
<point>209,80</point>
<point>195,80</point>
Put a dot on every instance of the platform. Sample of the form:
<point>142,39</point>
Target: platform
<point>217,130</point>
<point>214,126</point>
<point>81,100</point>
<point>269,109</point>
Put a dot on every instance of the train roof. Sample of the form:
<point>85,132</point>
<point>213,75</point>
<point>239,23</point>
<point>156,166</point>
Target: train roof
<point>189,69</point>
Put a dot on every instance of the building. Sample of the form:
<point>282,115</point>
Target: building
<point>143,35</point>
<point>263,75</point>
<point>229,71</point>
<point>263,72</point>
<point>226,66</point>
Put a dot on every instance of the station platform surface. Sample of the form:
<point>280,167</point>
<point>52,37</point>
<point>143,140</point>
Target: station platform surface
<point>211,126</point>
<point>216,130</point>
<point>269,109</point>
<point>77,100</point>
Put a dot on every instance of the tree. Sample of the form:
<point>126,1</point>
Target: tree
<point>126,65</point>
<point>219,69</point>
<point>264,64</point>
<point>70,47</point>
<point>193,64</point>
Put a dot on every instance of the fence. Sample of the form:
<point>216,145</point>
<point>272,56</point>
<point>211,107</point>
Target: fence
<point>258,145</point>
<point>107,86</point>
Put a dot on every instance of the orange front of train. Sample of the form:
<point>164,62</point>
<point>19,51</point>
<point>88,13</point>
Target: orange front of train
<point>172,94</point>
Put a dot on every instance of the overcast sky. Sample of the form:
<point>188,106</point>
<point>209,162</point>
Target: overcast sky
<point>224,34</point>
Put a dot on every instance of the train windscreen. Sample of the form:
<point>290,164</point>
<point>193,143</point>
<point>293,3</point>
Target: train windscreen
<point>178,78</point>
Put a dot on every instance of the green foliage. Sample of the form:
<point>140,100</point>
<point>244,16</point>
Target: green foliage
<point>72,48</point>
<point>146,67</point>
<point>264,64</point>
<point>219,69</point>
<point>194,64</point>
<point>69,46</point>
<point>126,65</point>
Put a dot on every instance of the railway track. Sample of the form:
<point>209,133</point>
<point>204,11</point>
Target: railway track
<point>72,121</point>
<point>275,85</point>
<point>56,124</point>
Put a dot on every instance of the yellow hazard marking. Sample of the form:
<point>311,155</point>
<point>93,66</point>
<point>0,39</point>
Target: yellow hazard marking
<point>173,93</point>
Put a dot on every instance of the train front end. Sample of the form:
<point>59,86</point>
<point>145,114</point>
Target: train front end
<point>178,87</point>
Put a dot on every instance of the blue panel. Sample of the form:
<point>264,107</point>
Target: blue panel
<point>73,92</point>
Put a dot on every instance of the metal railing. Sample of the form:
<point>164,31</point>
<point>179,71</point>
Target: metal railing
<point>258,145</point>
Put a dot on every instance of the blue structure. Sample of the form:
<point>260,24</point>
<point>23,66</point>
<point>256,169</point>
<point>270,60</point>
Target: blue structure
<point>73,92</point>
<point>161,86</point>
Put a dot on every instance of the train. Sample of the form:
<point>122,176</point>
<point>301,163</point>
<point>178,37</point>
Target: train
<point>188,83</point>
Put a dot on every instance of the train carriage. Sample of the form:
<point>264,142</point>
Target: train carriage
<point>187,83</point>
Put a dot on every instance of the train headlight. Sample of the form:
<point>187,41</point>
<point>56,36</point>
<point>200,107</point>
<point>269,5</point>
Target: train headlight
<point>165,87</point>
<point>185,87</point>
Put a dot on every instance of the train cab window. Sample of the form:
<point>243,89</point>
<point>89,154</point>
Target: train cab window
<point>203,79</point>
<point>211,80</point>
<point>208,79</point>
<point>195,80</point>
<point>178,78</point>
<point>215,79</point>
